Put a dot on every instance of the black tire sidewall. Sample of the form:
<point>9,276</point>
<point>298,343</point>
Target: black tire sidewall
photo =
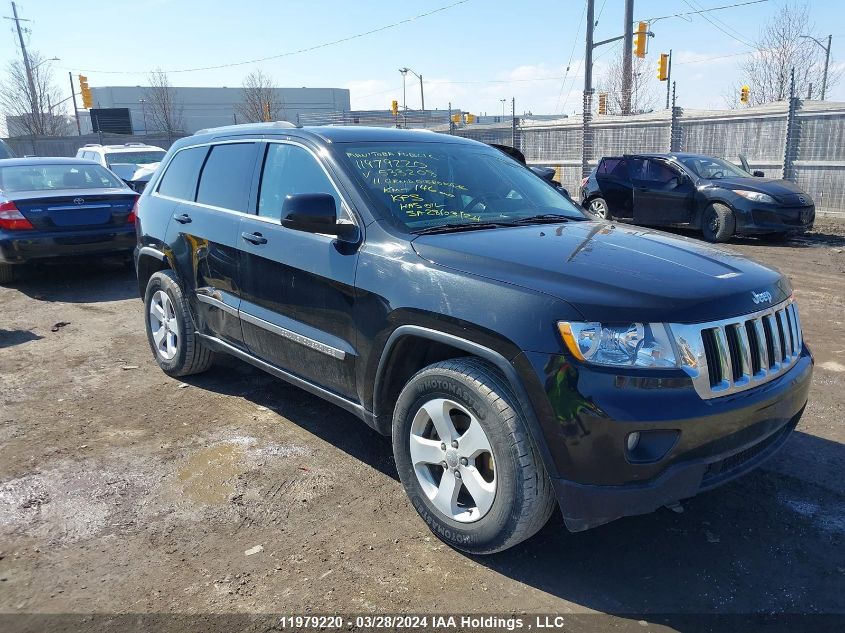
<point>725,215</point>
<point>501,520</point>
<point>164,281</point>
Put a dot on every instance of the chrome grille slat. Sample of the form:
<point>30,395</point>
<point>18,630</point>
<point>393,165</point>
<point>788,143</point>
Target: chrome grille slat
<point>713,365</point>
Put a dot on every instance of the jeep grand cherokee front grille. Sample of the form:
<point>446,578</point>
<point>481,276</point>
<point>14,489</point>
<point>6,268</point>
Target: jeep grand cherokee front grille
<point>724,357</point>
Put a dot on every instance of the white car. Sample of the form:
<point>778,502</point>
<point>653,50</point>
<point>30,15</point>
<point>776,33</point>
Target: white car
<point>133,162</point>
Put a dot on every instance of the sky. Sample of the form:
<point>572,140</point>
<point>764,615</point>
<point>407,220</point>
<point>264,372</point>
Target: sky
<point>472,53</point>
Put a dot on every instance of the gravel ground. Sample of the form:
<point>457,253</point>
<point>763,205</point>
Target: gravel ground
<point>122,490</point>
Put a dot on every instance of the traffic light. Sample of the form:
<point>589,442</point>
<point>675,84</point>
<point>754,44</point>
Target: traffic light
<point>87,99</point>
<point>640,37</point>
<point>394,107</point>
<point>663,67</point>
<point>744,93</point>
<point>602,103</point>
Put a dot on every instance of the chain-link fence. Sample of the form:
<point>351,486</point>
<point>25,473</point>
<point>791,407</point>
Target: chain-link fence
<point>801,141</point>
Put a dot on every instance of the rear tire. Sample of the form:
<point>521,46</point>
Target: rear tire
<point>598,207</point>
<point>718,222</point>
<point>484,488</point>
<point>170,328</point>
<point>8,273</point>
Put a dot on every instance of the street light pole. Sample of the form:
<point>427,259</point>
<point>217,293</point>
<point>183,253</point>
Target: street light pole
<point>503,108</point>
<point>826,50</point>
<point>143,103</point>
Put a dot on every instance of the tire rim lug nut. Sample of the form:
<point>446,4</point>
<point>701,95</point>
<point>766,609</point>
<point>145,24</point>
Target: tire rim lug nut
<point>443,446</point>
<point>454,443</point>
<point>444,464</point>
<point>457,474</point>
<point>464,461</point>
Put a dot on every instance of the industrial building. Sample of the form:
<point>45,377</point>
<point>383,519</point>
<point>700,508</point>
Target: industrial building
<point>209,107</point>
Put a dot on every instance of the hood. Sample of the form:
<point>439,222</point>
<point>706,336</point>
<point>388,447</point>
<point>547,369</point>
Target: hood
<point>611,272</point>
<point>133,172</point>
<point>783,190</point>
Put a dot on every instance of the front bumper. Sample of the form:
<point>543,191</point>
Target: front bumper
<point>19,247</point>
<point>586,415</point>
<point>756,218</point>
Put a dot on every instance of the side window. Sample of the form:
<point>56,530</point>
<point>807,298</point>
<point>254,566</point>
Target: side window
<point>653,171</point>
<point>180,179</point>
<point>227,175</point>
<point>288,170</point>
<point>613,167</point>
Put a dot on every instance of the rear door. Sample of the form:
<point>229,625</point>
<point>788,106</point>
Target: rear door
<point>616,189</point>
<point>662,194</point>
<point>297,287</point>
<point>212,186</point>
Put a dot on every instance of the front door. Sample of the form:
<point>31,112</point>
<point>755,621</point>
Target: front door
<point>297,288</point>
<point>662,193</point>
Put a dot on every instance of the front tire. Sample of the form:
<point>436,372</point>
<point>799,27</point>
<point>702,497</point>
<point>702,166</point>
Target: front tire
<point>465,458</point>
<point>599,208</point>
<point>170,328</point>
<point>718,222</point>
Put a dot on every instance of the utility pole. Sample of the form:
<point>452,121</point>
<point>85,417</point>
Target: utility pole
<point>33,97</point>
<point>422,95</point>
<point>627,47</point>
<point>75,110</point>
<point>668,78</point>
<point>513,121</point>
<point>826,64</point>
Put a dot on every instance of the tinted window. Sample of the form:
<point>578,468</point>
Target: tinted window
<point>649,170</point>
<point>51,177</point>
<point>133,158</point>
<point>288,170</point>
<point>615,167</point>
<point>227,175</point>
<point>180,179</point>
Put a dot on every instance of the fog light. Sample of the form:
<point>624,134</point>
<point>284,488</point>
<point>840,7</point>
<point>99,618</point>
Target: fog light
<point>633,440</point>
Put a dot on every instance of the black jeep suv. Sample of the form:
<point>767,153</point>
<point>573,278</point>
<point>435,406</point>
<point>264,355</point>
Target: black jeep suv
<point>520,354</point>
<point>696,191</point>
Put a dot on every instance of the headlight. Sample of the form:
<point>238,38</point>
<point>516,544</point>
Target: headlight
<point>755,196</point>
<point>644,345</point>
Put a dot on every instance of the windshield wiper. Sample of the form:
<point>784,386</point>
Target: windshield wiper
<point>451,227</point>
<point>544,218</point>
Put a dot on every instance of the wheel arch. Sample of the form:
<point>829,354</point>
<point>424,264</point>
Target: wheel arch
<point>388,382</point>
<point>148,262</point>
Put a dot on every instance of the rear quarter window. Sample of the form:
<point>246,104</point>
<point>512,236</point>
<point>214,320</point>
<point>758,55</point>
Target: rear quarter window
<point>180,179</point>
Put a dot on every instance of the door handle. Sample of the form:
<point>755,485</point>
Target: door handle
<point>255,238</point>
<point>183,219</point>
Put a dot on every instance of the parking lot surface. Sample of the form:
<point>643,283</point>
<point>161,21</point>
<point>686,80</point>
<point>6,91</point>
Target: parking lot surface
<point>123,490</point>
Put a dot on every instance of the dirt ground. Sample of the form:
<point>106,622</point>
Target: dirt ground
<point>123,490</point>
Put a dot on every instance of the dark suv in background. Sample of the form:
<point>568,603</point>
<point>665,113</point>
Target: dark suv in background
<point>698,191</point>
<point>520,354</point>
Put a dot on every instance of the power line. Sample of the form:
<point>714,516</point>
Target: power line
<point>727,6</point>
<point>289,53</point>
<point>703,14</point>
<point>571,54</point>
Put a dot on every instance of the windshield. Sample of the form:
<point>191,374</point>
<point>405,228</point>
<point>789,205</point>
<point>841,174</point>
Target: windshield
<point>713,168</point>
<point>55,177</point>
<point>424,185</point>
<point>134,158</point>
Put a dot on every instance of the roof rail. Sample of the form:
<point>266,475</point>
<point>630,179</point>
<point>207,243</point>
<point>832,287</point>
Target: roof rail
<point>247,126</point>
<point>92,145</point>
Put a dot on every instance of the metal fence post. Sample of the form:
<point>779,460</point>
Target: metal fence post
<point>587,134</point>
<point>793,133</point>
<point>675,125</point>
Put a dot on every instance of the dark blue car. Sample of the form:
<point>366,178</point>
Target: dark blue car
<point>55,207</point>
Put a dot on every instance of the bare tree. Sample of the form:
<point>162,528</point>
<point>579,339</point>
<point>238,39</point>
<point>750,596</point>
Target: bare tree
<point>260,99</point>
<point>32,113</point>
<point>162,108</point>
<point>780,48</point>
<point>643,97</point>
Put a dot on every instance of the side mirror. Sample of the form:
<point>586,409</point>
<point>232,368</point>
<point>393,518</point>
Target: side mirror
<point>314,213</point>
<point>758,173</point>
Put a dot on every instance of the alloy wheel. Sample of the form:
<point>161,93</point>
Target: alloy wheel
<point>164,325</point>
<point>599,208</point>
<point>453,460</point>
